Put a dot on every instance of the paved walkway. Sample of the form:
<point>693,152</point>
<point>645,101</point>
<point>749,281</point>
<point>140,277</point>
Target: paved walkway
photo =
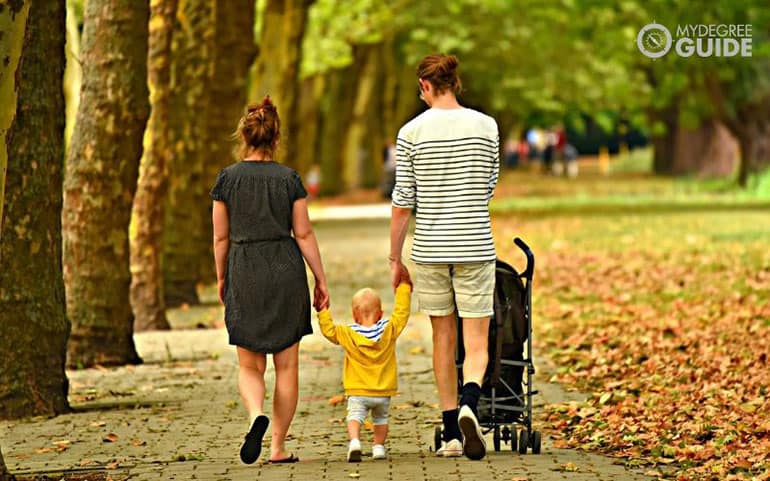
<point>178,416</point>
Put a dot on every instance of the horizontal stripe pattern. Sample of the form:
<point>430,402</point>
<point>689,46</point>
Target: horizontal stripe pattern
<point>447,166</point>
<point>373,332</point>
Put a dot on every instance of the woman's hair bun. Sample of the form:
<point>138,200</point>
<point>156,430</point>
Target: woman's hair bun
<point>267,104</point>
<point>448,64</point>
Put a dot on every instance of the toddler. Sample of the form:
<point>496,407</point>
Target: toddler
<point>369,373</point>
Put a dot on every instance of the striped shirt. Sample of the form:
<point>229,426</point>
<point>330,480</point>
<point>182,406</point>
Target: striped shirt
<point>373,332</point>
<point>447,167</point>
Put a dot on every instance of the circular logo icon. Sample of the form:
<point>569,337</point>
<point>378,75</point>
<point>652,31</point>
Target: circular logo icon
<point>654,40</point>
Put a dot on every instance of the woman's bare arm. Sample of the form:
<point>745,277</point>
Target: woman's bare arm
<point>221,221</point>
<point>308,245</point>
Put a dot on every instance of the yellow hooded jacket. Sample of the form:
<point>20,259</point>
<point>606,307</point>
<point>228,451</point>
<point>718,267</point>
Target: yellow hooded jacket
<point>370,367</point>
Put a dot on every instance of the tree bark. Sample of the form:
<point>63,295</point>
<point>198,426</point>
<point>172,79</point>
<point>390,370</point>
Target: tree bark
<point>755,150</point>
<point>277,72</point>
<point>13,23</point>
<point>234,52</point>
<point>101,173</point>
<point>33,322</point>
<point>73,73</point>
<point>336,107</point>
<point>707,150</point>
<point>4,474</point>
<point>146,232</point>
<point>185,230</point>
<point>309,128</point>
<point>664,145</point>
<point>357,151</point>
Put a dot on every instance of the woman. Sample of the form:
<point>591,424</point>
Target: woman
<point>447,166</point>
<point>258,204</point>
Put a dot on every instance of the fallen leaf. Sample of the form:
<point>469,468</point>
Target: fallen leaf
<point>136,442</point>
<point>43,450</point>
<point>338,399</point>
<point>110,438</point>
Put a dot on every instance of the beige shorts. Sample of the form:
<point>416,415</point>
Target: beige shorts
<point>471,286</point>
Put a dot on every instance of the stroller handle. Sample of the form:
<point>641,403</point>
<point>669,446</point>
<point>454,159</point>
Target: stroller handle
<point>530,258</point>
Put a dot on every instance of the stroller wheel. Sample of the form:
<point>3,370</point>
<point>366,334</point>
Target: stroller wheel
<point>535,442</point>
<point>523,441</point>
<point>496,439</point>
<point>514,439</point>
<point>437,438</point>
<point>505,434</point>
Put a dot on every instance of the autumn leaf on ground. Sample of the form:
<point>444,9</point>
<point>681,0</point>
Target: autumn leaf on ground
<point>110,438</point>
<point>136,442</point>
<point>43,450</point>
<point>338,399</point>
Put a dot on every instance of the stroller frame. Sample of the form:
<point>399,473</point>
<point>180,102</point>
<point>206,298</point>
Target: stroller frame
<point>503,417</point>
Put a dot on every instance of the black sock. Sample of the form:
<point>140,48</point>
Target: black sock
<point>451,428</point>
<point>469,396</point>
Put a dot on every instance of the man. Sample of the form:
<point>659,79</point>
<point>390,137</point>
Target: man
<point>447,168</point>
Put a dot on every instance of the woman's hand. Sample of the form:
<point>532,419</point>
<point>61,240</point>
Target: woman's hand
<point>320,296</point>
<point>221,290</point>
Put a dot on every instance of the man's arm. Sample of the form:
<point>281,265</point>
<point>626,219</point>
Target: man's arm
<point>404,199</point>
<point>495,171</point>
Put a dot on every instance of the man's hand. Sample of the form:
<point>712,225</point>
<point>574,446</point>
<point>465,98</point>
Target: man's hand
<point>399,273</point>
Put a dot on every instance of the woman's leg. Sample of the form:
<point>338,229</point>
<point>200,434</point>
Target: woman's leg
<point>285,399</point>
<point>251,381</point>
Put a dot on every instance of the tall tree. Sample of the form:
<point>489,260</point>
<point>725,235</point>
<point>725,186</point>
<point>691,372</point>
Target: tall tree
<point>278,66</point>
<point>146,232</point>
<point>233,52</point>
<point>4,474</point>
<point>13,21</point>
<point>33,322</point>
<point>185,229</point>
<point>101,172</point>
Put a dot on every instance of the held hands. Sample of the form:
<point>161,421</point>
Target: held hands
<point>399,273</point>
<point>320,296</point>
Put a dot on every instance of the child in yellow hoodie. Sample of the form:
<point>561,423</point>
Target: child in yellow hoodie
<point>369,373</point>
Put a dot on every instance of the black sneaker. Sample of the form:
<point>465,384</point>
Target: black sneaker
<point>252,445</point>
<point>474,446</point>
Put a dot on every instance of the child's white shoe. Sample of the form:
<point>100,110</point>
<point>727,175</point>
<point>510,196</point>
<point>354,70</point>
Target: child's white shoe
<point>354,451</point>
<point>378,452</point>
<point>451,449</point>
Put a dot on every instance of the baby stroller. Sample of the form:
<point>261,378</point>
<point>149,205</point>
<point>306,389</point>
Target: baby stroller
<point>504,401</point>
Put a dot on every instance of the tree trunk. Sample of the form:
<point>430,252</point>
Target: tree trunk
<point>4,474</point>
<point>13,23</point>
<point>72,73</point>
<point>33,322</point>
<point>146,232</point>
<point>277,72</point>
<point>664,145</point>
<point>755,152</point>
<point>309,112</point>
<point>185,230</point>
<point>336,107</point>
<point>102,169</point>
<point>233,54</point>
<point>707,150</point>
<point>356,144</point>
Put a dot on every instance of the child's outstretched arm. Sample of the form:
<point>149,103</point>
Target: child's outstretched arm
<point>328,328</point>
<point>402,307</point>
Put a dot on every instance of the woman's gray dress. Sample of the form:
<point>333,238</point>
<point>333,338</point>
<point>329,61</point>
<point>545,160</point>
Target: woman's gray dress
<point>267,304</point>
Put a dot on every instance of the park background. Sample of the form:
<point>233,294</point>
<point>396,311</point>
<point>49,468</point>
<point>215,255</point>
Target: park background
<point>652,288</point>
